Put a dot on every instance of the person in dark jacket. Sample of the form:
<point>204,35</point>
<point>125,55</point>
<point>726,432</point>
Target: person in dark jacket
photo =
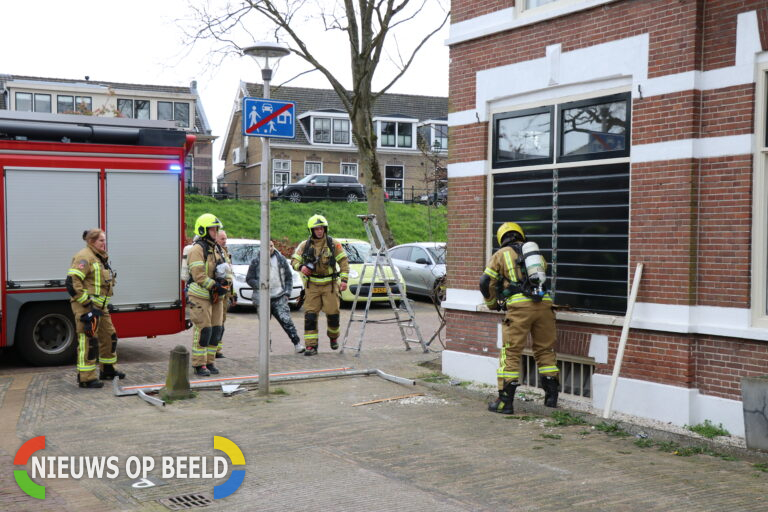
<point>280,285</point>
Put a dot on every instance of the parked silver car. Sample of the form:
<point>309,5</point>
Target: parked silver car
<point>242,251</point>
<point>422,265</point>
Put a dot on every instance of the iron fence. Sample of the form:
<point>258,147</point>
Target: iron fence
<point>251,191</point>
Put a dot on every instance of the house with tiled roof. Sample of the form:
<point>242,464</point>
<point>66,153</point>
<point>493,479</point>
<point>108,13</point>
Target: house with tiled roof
<point>181,105</point>
<point>324,141</point>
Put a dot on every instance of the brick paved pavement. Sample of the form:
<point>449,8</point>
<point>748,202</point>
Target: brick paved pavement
<point>310,449</point>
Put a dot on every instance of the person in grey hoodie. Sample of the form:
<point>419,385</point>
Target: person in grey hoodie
<point>280,285</point>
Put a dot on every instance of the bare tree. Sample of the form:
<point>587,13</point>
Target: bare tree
<point>368,25</point>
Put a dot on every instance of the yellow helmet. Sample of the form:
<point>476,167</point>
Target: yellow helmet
<point>316,221</point>
<point>205,221</point>
<point>506,228</point>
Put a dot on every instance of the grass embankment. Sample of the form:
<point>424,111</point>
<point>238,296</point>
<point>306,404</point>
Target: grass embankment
<point>288,221</point>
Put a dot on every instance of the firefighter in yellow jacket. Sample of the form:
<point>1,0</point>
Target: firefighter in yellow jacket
<point>317,258</point>
<point>90,282</point>
<point>210,278</point>
<point>506,284</point>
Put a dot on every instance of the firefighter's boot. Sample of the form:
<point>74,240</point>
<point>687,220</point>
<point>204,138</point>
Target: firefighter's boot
<point>109,373</point>
<point>212,369</point>
<point>201,371</point>
<point>551,386</point>
<point>503,404</point>
<point>334,343</point>
<point>93,384</point>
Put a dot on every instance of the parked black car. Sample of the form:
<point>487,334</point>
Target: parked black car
<point>439,198</point>
<point>318,187</point>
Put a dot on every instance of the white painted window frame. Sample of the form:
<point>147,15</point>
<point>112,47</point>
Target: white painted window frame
<point>312,162</point>
<point>281,170</point>
<point>759,284</point>
<point>357,168</point>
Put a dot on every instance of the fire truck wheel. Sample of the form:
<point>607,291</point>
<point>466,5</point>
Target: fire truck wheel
<point>45,334</point>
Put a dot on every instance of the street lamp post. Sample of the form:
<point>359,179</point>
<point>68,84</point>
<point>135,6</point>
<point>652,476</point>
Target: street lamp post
<point>267,56</point>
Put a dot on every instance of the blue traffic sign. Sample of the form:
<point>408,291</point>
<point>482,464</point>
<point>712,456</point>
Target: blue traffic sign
<point>269,118</point>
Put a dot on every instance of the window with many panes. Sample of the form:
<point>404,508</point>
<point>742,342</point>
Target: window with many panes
<point>350,169</point>
<point>326,130</point>
<point>29,102</point>
<point>313,168</point>
<point>174,111</point>
<point>551,174</point>
<point>395,134</point>
<point>281,172</point>
<point>759,295</point>
<point>67,104</point>
<point>322,130</point>
<point>440,136</point>
<point>136,109</point>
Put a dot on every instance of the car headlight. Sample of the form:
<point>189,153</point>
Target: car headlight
<point>353,274</point>
<point>240,277</point>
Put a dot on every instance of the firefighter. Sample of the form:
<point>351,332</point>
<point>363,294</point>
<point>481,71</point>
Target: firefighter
<point>280,286</point>
<point>90,283</point>
<point>210,280</point>
<point>506,284</point>
<point>325,266</point>
<point>231,298</point>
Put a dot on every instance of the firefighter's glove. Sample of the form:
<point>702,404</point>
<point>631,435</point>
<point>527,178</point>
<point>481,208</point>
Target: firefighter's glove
<point>90,321</point>
<point>511,289</point>
<point>220,289</point>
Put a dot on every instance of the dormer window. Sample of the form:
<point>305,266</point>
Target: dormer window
<point>395,134</point>
<point>330,130</point>
<point>440,137</point>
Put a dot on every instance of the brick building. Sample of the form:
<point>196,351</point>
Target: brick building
<point>324,142</point>
<point>618,132</point>
<point>182,105</point>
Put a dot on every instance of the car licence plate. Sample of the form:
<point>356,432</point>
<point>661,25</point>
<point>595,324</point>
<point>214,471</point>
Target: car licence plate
<point>380,289</point>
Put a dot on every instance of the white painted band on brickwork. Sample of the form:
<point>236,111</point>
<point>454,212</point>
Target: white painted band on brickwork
<point>709,147</point>
<point>674,404</point>
<point>467,169</point>
<point>581,71</point>
<point>463,300</point>
<point>506,19</point>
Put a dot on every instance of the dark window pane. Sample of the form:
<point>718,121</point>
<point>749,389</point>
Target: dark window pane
<point>65,104</point>
<point>322,130</point>
<point>340,131</point>
<point>596,128</point>
<point>165,111</point>
<point>43,103</point>
<point>24,101</point>
<point>524,139</point>
<point>181,114</point>
<point>441,137</point>
<point>404,135</point>
<point>125,107</point>
<point>388,131</point>
<point>142,109</point>
<point>84,104</point>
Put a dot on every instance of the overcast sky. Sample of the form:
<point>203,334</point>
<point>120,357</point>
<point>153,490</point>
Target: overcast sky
<point>141,41</point>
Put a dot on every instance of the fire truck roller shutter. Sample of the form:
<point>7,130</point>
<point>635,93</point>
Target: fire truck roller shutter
<point>43,229</point>
<point>143,225</point>
<point>47,211</point>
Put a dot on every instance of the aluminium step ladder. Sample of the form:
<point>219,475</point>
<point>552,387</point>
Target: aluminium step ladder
<point>380,261</point>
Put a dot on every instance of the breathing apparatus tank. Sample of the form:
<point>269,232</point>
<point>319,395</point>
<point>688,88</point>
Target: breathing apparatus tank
<point>534,267</point>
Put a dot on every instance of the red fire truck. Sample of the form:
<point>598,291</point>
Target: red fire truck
<point>63,174</point>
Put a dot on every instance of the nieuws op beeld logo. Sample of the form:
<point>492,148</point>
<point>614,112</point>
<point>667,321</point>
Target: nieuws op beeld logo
<point>77,467</point>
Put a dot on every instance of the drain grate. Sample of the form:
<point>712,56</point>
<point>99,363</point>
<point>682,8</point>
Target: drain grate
<point>186,501</point>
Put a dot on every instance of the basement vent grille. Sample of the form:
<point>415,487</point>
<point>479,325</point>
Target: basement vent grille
<point>575,377</point>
